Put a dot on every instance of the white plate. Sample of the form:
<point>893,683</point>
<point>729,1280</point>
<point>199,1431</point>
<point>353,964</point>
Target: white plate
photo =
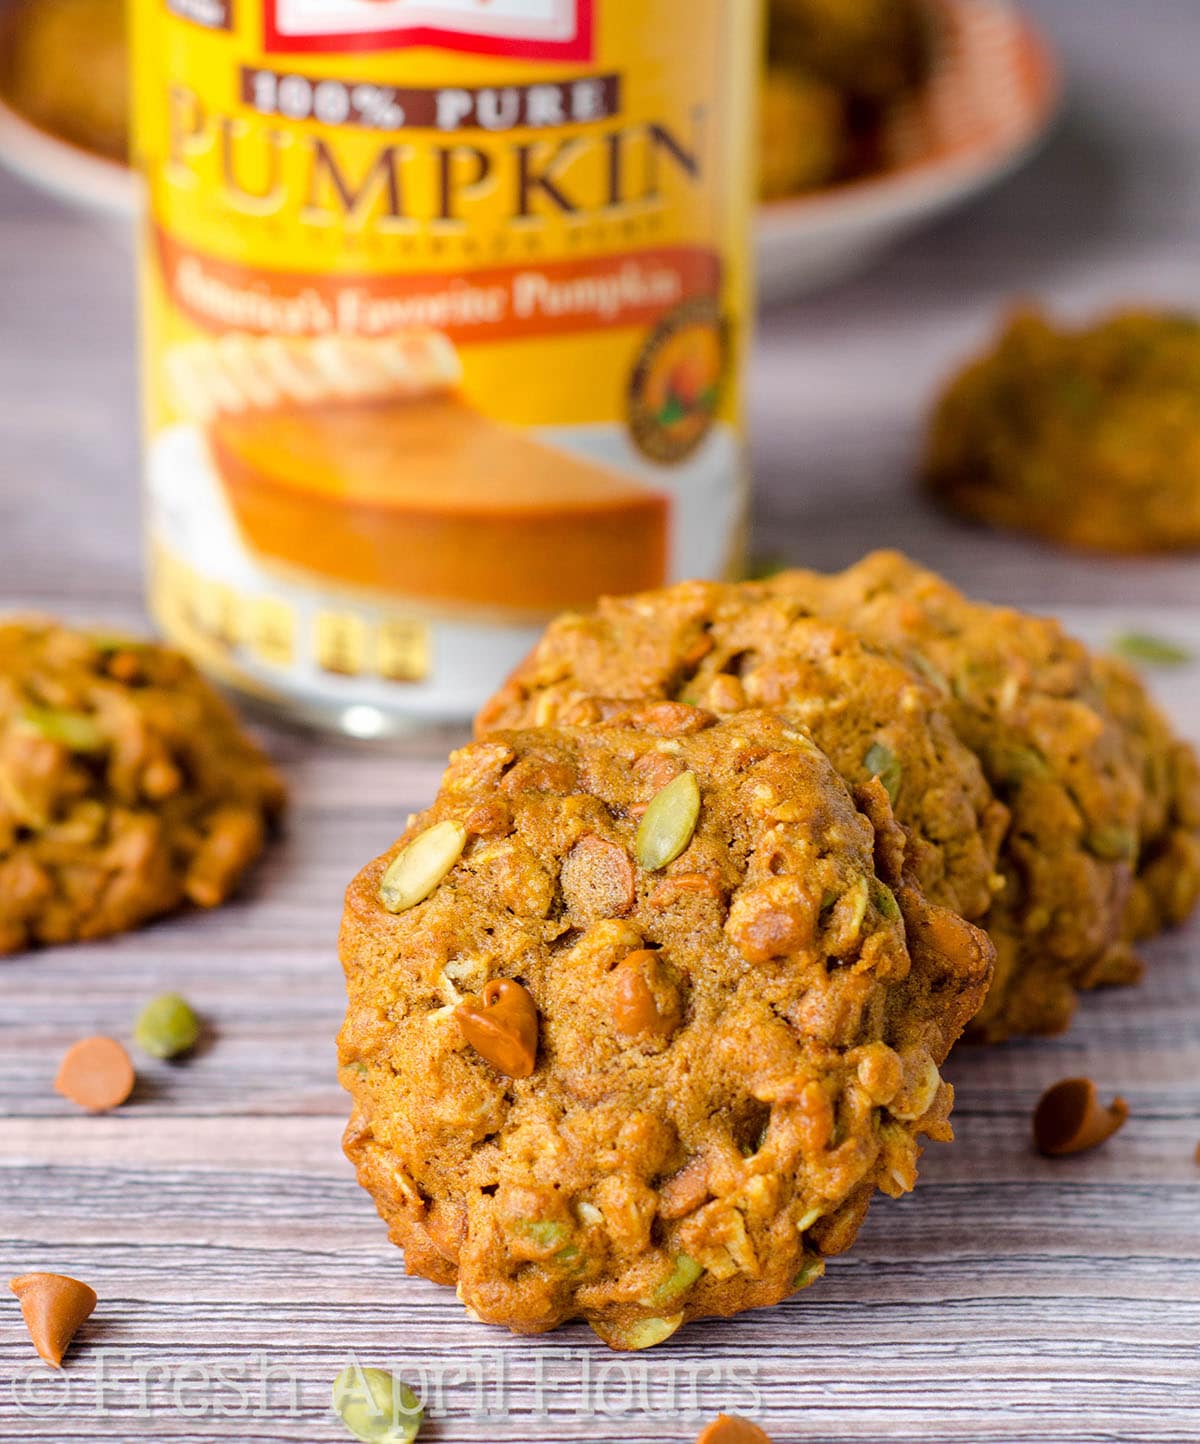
<point>991,97</point>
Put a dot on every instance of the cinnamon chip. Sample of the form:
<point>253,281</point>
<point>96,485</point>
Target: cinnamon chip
<point>54,1306</point>
<point>502,1026</point>
<point>730,1429</point>
<point>95,1073</point>
<point>1070,1119</point>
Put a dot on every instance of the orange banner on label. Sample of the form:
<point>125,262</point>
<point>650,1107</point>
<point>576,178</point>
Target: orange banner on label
<point>553,298</point>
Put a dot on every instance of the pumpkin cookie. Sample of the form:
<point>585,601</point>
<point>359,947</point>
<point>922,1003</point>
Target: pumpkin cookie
<point>634,1030</point>
<point>1088,437</point>
<point>126,786</point>
<point>875,50</point>
<point>1032,704</point>
<point>725,648</point>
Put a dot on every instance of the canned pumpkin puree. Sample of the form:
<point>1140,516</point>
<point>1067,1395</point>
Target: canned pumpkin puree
<point>445,304</point>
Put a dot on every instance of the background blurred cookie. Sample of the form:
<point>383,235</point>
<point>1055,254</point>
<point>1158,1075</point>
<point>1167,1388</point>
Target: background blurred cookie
<point>1087,436</point>
<point>834,69</point>
<point>64,66</point>
<point>127,786</point>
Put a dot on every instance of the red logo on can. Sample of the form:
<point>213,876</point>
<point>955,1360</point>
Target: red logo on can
<point>521,29</point>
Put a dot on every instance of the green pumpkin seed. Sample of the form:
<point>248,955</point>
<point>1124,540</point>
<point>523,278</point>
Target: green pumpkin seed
<point>885,901</point>
<point>640,1334</point>
<point>115,642</point>
<point>375,1406</point>
<point>810,1271</point>
<point>1153,651</point>
<point>922,664</point>
<point>684,1274</point>
<point>1019,764</point>
<point>166,1027</point>
<point>762,568</point>
<point>669,822</point>
<point>1112,844</point>
<point>418,868</point>
<point>882,762</point>
<point>544,1232</point>
<point>75,731</point>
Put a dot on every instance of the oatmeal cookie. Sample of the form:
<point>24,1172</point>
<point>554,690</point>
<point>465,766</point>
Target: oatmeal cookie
<point>1089,437</point>
<point>802,128</point>
<point>126,786</point>
<point>1166,887</point>
<point>725,648</point>
<point>1031,703</point>
<point>640,1016</point>
<point>64,66</point>
<point>872,49</point>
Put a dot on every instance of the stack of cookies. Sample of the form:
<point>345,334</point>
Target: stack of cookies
<point>655,996</point>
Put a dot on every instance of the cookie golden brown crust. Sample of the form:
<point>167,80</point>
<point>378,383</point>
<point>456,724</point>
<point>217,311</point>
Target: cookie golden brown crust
<point>127,786</point>
<point>1090,438</point>
<point>729,1053</point>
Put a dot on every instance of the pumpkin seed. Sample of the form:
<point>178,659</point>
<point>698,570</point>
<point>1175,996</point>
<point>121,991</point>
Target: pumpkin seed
<point>669,822</point>
<point>684,1274</point>
<point>916,1098</point>
<point>810,1271</point>
<point>880,761</point>
<point>418,868</point>
<point>545,1233</point>
<point>375,1406</point>
<point>885,901</point>
<point>1112,844</point>
<point>75,731</point>
<point>166,1027</point>
<point>640,1334</point>
<point>922,664</point>
<point>1019,764</point>
<point>1154,651</point>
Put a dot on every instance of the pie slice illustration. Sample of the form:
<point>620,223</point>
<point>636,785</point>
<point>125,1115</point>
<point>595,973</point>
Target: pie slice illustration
<point>360,460</point>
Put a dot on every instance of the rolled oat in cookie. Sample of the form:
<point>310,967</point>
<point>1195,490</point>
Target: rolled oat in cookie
<point>669,1017</point>
<point>127,786</point>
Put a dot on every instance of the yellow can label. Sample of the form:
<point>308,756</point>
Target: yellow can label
<point>445,305</point>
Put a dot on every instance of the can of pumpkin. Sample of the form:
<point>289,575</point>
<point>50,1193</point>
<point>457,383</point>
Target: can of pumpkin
<point>445,304</point>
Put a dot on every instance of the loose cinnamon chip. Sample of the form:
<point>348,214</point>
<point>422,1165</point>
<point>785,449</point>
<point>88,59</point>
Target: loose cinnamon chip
<point>1070,1119</point>
<point>54,1306</point>
<point>95,1073</point>
<point>730,1429</point>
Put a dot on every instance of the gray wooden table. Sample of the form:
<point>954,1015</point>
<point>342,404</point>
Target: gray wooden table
<point>1010,1299</point>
